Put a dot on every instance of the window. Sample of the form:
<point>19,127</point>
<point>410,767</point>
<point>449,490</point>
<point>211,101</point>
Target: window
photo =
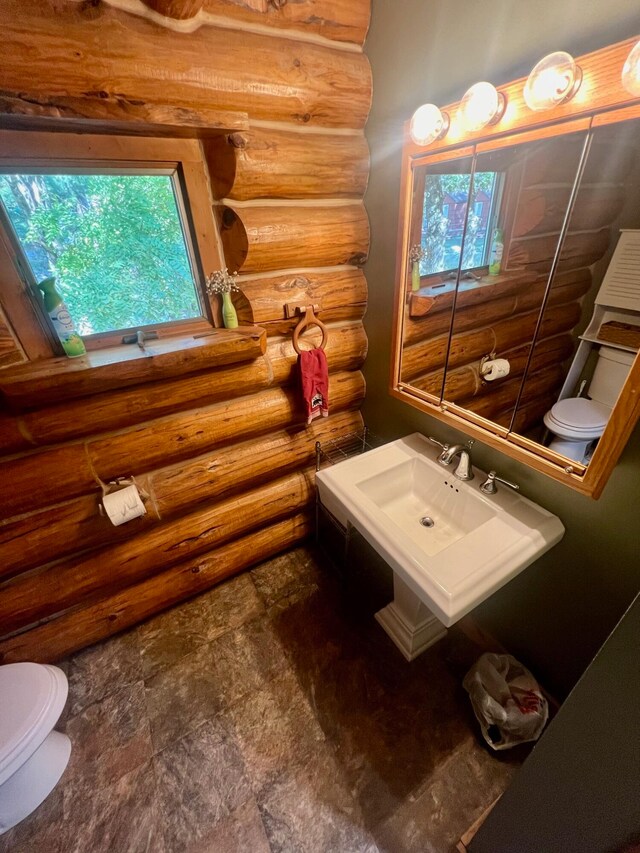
<point>446,207</point>
<point>129,241</point>
<point>115,244</point>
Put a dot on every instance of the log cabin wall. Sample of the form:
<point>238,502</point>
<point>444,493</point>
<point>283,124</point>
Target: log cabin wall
<point>500,314</point>
<point>215,438</point>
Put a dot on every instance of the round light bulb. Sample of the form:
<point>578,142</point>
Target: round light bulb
<point>631,72</point>
<point>428,123</point>
<point>481,105</point>
<point>555,79</point>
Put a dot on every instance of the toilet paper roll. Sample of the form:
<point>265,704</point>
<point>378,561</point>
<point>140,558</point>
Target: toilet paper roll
<point>495,369</point>
<point>123,505</point>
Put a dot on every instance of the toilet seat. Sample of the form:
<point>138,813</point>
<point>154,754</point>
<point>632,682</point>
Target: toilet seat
<point>577,418</point>
<point>33,696</point>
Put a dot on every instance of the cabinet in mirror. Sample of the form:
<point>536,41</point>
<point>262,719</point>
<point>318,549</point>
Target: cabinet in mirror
<point>517,321</point>
<point>601,248</point>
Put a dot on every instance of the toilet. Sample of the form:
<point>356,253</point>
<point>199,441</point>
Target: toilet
<point>577,421</point>
<point>32,756</point>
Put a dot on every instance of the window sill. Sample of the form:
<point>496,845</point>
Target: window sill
<point>439,297</point>
<point>39,383</point>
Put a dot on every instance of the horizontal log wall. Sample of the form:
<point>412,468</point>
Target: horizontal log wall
<point>222,451</point>
<point>500,314</point>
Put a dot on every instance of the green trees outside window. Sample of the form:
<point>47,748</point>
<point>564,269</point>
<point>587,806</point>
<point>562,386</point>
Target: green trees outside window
<point>114,243</point>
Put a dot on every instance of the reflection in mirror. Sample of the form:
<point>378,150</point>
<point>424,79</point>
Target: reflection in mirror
<point>523,193</point>
<point>605,336</point>
<point>440,200</point>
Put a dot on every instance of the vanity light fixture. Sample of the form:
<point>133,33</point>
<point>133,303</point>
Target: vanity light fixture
<point>481,105</point>
<point>631,71</point>
<point>428,123</point>
<point>554,80</point>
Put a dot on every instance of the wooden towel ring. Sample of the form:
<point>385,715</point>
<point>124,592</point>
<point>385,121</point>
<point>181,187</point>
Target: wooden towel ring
<point>309,319</point>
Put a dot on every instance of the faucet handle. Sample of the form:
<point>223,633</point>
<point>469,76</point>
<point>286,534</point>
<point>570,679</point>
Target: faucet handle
<point>439,443</point>
<point>489,486</point>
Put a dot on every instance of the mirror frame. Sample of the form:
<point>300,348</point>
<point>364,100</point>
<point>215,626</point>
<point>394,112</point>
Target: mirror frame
<point>601,100</point>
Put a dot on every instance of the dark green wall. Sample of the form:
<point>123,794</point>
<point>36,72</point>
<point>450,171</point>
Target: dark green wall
<point>558,612</point>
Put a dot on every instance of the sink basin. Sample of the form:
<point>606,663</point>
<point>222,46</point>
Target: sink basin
<point>451,545</point>
<point>426,506</point>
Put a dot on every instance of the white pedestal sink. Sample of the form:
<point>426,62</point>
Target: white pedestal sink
<point>449,545</point>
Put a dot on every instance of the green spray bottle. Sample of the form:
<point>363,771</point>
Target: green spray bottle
<point>59,315</point>
<point>497,249</point>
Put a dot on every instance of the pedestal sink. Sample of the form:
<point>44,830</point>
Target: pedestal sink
<point>450,546</point>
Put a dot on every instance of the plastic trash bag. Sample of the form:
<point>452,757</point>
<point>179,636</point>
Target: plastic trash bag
<point>507,701</point>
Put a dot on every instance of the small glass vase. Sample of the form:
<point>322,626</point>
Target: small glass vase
<point>229,316</point>
<point>415,276</point>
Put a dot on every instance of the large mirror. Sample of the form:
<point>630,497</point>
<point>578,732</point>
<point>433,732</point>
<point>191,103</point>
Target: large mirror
<point>518,312</point>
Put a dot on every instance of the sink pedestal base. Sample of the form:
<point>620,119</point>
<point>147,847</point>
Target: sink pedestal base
<point>409,623</point>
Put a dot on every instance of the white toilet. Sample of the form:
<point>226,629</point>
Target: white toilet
<point>32,756</point>
<point>577,421</point>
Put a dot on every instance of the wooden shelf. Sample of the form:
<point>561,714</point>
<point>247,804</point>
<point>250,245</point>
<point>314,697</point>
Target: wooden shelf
<point>439,296</point>
<point>37,383</point>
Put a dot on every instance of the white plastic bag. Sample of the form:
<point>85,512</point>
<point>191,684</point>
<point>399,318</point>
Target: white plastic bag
<point>507,701</point>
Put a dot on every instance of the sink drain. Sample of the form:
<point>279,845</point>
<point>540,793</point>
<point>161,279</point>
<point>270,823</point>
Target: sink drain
<point>427,521</point>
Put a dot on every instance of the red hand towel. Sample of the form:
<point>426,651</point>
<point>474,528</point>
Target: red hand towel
<point>314,379</point>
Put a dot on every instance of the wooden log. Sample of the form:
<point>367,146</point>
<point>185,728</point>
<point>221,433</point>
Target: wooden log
<point>258,237</point>
<point>180,10</point>
<point>43,478</point>
<point>335,316</point>
<point>228,470</point>
<point>262,163</point>
<point>331,19</point>
<point>503,398</point>
<point>542,209</point>
<point>440,297</point>
<point>432,300</point>
<point>346,349</point>
<point>188,434</point>
<point>489,312</point>
<point>466,347</point>
<point>65,528</point>
<point>531,413</point>
<point>96,62</point>
<point>116,409</point>
<point>553,161</point>
<point>559,163</point>
<point>49,476</point>
<point>466,382</point>
<point>579,250</point>
<point>12,437</point>
<point>80,114</point>
<point>84,626</point>
<point>267,295</point>
<point>37,595</point>
<point>38,383</point>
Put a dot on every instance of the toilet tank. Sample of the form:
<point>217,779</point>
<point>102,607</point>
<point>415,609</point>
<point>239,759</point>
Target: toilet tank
<point>610,375</point>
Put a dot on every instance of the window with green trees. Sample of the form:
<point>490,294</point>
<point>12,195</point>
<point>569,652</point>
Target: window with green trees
<point>455,211</point>
<point>116,243</point>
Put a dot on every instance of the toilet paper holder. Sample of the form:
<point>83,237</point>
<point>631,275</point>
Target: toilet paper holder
<point>492,368</point>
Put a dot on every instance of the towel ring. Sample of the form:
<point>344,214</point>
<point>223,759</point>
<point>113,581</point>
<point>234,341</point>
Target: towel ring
<point>309,319</point>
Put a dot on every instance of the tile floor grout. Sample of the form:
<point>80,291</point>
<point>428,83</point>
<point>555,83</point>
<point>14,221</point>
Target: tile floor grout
<point>266,716</point>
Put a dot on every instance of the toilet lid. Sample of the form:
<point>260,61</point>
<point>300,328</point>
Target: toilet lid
<point>580,414</point>
<point>32,697</point>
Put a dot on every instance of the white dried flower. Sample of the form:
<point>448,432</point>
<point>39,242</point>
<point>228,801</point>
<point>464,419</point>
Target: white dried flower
<point>221,281</point>
<point>416,254</point>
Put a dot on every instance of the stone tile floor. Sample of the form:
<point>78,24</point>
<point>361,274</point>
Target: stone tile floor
<point>269,714</point>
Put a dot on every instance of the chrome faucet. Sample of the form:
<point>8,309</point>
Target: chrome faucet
<point>489,486</point>
<point>464,471</point>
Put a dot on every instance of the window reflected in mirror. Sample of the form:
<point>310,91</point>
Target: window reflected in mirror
<point>448,206</point>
